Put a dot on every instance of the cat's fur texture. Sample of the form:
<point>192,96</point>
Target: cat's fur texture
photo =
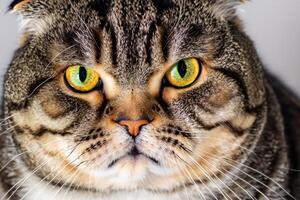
<point>231,135</point>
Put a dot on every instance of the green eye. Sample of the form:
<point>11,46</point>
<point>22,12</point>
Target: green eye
<point>184,73</point>
<point>82,79</point>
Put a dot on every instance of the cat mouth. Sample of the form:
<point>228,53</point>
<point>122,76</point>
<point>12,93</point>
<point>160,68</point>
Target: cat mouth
<point>135,154</point>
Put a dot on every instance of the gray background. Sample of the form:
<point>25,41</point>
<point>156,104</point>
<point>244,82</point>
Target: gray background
<point>274,25</point>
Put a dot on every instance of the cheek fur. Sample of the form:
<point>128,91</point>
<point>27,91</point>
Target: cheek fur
<point>89,141</point>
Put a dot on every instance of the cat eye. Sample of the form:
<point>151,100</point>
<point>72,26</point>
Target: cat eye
<point>184,73</point>
<point>81,78</point>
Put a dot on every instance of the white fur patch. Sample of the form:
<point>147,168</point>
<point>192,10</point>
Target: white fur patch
<point>35,26</point>
<point>36,190</point>
<point>225,9</point>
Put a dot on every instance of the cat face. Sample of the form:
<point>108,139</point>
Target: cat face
<point>120,95</point>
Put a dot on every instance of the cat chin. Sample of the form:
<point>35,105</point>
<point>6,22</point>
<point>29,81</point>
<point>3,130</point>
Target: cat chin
<point>131,172</point>
<point>127,169</point>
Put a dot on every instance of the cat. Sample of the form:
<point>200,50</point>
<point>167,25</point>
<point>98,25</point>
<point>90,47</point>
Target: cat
<point>135,99</point>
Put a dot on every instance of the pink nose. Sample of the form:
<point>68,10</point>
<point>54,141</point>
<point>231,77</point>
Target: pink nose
<point>134,126</point>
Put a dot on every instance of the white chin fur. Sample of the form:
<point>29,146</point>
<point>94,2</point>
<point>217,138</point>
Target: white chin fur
<point>130,172</point>
<point>124,171</point>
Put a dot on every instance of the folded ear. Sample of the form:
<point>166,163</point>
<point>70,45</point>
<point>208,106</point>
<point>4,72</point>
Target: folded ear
<point>34,14</point>
<point>17,5</point>
<point>226,9</point>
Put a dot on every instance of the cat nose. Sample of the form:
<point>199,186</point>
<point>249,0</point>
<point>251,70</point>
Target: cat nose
<point>133,126</point>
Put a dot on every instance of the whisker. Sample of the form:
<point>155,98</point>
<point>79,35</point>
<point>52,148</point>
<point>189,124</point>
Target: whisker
<point>228,178</point>
<point>46,177</point>
<point>211,179</point>
<point>188,175</point>
<point>23,180</point>
<point>7,131</point>
<point>72,181</point>
<point>269,178</point>
<point>63,185</point>
<point>207,176</point>
<point>226,170</point>
<point>2,121</point>
<point>245,180</point>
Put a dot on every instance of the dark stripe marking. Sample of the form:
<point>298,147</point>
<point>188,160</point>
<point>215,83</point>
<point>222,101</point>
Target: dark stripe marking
<point>114,50</point>
<point>165,44</point>
<point>171,129</point>
<point>97,46</point>
<point>41,131</point>
<point>152,31</point>
<point>163,5</point>
<point>194,31</point>
<point>237,131</point>
<point>101,6</point>
<point>227,124</point>
<point>237,78</point>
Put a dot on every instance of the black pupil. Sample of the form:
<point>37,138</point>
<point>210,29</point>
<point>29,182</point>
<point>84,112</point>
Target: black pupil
<point>82,74</point>
<point>182,68</point>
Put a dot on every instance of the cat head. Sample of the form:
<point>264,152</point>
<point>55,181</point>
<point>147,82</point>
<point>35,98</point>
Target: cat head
<point>116,94</point>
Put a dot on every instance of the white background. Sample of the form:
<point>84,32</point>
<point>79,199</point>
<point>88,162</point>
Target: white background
<point>274,25</point>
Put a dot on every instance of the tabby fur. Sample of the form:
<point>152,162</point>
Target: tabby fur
<point>231,135</point>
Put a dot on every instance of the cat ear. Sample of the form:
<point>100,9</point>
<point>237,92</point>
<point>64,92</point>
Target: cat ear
<point>17,5</point>
<point>226,9</point>
<point>34,15</point>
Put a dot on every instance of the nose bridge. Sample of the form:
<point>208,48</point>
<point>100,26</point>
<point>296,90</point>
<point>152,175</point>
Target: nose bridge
<point>134,104</point>
<point>133,111</point>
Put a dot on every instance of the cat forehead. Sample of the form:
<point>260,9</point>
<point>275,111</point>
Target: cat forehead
<point>132,26</point>
<point>138,37</point>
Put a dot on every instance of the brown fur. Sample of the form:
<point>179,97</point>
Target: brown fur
<point>223,137</point>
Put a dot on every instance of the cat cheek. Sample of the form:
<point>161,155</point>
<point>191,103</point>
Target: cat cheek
<point>52,107</point>
<point>169,94</point>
